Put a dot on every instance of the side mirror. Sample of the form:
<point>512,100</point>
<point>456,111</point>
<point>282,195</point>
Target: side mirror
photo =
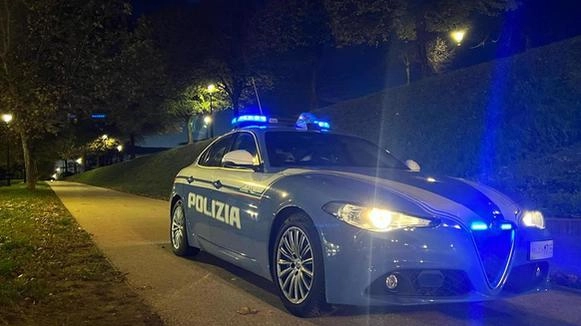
<point>413,165</point>
<point>239,159</point>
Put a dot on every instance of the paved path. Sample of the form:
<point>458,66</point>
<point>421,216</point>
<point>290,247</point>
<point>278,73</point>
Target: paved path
<point>132,231</point>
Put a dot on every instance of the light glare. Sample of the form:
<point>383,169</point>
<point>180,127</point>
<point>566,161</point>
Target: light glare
<point>534,219</point>
<point>458,35</point>
<point>380,219</point>
<point>7,117</point>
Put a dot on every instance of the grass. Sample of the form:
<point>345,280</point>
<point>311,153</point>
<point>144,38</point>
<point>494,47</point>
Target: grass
<point>51,273</point>
<point>150,176</point>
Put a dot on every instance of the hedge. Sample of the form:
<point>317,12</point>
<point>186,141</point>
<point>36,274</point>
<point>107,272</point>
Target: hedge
<point>486,122</point>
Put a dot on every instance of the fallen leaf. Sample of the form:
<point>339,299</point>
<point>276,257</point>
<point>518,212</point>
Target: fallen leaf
<point>247,311</point>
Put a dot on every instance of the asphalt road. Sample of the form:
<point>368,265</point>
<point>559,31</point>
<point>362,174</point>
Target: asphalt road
<point>132,231</point>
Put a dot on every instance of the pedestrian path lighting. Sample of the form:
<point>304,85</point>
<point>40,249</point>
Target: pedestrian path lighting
<point>7,117</point>
<point>211,90</point>
<point>458,36</point>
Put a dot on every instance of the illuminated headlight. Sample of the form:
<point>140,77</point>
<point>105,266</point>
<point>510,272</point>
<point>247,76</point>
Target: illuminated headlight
<point>533,219</point>
<point>373,218</point>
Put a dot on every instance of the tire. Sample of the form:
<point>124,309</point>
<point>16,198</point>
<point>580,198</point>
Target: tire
<point>178,232</point>
<point>299,274</point>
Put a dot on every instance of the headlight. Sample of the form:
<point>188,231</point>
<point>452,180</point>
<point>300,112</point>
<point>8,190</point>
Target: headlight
<point>533,219</point>
<point>373,218</point>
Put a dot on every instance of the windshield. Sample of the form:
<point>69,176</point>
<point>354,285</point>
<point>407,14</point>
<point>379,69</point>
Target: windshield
<point>299,149</point>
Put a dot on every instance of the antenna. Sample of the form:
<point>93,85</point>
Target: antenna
<point>257,97</point>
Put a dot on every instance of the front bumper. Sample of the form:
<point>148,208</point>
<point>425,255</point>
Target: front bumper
<point>433,265</point>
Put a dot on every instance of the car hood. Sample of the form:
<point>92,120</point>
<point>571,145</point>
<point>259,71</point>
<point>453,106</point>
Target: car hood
<point>437,195</point>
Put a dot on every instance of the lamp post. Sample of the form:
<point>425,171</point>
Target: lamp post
<point>458,36</point>
<point>211,89</point>
<point>7,118</point>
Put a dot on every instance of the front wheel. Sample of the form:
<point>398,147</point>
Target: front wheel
<point>298,267</point>
<point>178,232</point>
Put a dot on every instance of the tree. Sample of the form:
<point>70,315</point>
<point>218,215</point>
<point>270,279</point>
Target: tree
<point>196,100</point>
<point>294,26</point>
<point>51,57</point>
<point>419,22</point>
<point>137,86</point>
<point>210,41</point>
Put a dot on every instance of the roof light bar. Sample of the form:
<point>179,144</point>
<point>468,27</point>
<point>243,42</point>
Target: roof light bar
<point>308,121</point>
<point>249,118</point>
<point>323,124</point>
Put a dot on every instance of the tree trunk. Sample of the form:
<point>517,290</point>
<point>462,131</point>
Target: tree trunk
<point>29,165</point>
<point>235,102</point>
<point>408,73</point>
<point>190,129</point>
<point>422,38</point>
<point>316,55</point>
<point>132,140</point>
<point>314,98</point>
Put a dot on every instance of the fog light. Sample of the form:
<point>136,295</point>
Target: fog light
<point>391,281</point>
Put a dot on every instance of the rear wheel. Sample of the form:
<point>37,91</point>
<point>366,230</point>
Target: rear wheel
<point>178,232</point>
<point>298,267</point>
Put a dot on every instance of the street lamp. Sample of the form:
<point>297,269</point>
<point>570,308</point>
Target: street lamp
<point>458,35</point>
<point>7,117</point>
<point>211,90</point>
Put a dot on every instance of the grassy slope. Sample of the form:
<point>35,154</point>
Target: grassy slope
<point>151,176</point>
<point>50,271</point>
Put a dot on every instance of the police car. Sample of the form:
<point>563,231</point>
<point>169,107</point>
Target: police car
<point>334,219</point>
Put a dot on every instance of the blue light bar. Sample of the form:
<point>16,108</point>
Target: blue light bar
<point>506,226</point>
<point>478,226</point>
<point>249,118</point>
<point>307,121</point>
<point>323,124</point>
<point>98,116</point>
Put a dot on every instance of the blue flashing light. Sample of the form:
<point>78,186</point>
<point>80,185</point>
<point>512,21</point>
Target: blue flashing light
<point>249,118</point>
<point>506,226</point>
<point>308,121</point>
<point>323,124</point>
<point>478,226</point>
<point>98,116</point>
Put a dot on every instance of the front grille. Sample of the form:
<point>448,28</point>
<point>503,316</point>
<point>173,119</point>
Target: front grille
<point>494,247</point>
<point>454,283</point>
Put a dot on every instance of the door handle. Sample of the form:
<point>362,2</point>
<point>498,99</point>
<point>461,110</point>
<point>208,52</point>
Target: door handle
<point>217,184</point>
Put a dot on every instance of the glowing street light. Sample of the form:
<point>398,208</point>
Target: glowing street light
<point>458,35</point>
<point>120,148</point>
<point>79,161</point>
<point>207,119</point>
<point>211,90</point>
<point>7,117</point>
<point>104,137</point>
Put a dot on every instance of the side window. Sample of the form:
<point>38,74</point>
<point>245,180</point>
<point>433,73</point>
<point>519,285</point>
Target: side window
<point>213,156</point>
<point>246,142</point>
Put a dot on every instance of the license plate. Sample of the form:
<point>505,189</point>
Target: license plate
<point>541,250</point>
